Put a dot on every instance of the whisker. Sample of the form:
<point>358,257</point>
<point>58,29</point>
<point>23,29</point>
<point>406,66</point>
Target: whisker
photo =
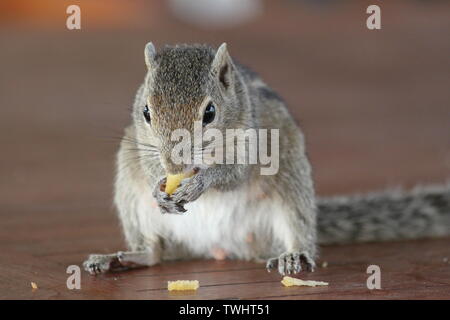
<point>149,151</point>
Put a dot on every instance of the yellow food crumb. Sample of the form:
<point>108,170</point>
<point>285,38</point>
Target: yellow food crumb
<point>182,285</point>
<point>324,264</point>
<point>174,180</point>
<point>289,281</point>
<point>34,285</point>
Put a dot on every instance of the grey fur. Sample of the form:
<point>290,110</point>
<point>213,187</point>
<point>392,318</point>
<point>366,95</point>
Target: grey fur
<point>389,215</point>
<point>226,204</point>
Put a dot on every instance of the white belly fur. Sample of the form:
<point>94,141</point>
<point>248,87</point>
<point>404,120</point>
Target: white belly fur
<point>224,220</point>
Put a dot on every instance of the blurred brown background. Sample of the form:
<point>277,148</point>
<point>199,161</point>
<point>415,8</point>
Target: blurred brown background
<point>375,105</point>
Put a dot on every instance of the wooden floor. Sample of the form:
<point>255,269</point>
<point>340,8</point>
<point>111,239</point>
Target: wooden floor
<point>374,105</point>
<point>409,270</point>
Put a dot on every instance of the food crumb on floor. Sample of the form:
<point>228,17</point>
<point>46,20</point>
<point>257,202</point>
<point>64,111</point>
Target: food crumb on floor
<point>289,282</point>
<point>181,285</point>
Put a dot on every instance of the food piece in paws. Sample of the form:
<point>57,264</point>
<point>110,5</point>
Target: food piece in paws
<point>289,282</point>
<point>180,285</point>
<point>174,180</point>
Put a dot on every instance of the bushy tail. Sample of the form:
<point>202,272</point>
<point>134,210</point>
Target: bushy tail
<point>389,215</point>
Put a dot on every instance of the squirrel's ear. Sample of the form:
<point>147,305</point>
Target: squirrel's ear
<point>150,53</point>
<point>221,66</point>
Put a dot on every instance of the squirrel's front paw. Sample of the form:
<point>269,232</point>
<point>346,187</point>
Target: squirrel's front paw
<point>291,262</point>
<point>166,203</point>
<point>189,190</point>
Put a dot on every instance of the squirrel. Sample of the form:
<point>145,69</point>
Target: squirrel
<point>233,211</point>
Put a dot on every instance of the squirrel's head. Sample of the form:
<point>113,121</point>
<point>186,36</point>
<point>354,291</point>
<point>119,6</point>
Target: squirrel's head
<point>187,85</point>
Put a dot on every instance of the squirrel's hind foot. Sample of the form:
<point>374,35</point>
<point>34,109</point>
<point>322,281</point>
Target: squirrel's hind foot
<point>291,262</point>
<point>100,263</point>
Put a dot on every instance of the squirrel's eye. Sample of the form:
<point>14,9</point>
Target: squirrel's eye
<point>147,114</point>
<point>210,114</point>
